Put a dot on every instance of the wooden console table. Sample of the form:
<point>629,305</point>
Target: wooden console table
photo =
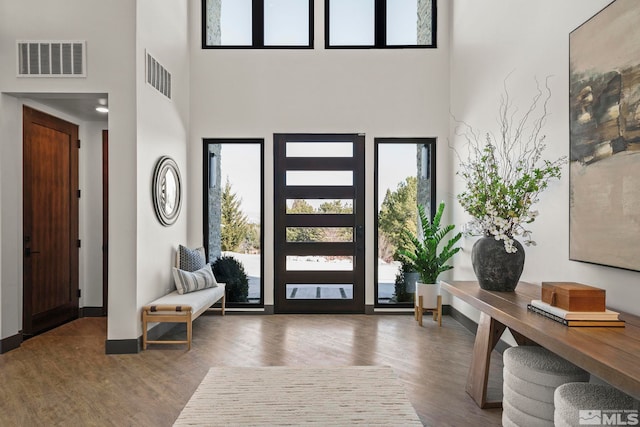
<point>612,354</point>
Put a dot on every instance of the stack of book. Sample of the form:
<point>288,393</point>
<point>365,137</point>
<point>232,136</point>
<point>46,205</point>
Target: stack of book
<point>576,318</point>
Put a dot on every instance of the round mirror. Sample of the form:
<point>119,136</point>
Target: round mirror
<point>167,192</point>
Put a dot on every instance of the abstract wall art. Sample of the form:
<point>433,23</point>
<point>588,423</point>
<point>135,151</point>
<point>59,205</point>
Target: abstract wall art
<point>604,91</point>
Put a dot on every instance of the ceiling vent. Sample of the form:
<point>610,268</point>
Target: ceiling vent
<point>158,76</point>
<point>52,58</point>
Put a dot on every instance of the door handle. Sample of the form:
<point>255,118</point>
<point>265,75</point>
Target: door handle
<point>28,252</point>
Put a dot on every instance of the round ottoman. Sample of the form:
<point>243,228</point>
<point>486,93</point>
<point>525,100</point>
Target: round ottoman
<point>531,375</point>
<point>578,404</point>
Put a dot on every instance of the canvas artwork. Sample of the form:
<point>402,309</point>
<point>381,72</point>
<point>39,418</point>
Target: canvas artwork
<point>604,210</point>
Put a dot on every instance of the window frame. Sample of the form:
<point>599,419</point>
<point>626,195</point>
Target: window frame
<point>380,29</point>
<point>257,29</point>
<point>432,143</point>
<point>205,207</point>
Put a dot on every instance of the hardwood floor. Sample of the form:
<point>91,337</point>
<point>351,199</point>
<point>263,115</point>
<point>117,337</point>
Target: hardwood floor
<point>63,377</point>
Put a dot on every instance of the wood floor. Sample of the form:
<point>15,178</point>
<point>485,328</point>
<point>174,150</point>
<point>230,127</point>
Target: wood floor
<point>63,377</point>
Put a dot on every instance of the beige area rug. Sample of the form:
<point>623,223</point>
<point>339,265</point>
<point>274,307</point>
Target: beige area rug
<point>288,396</point>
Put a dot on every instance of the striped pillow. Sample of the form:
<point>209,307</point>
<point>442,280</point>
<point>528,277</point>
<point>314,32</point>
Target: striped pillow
<point>187,281</point>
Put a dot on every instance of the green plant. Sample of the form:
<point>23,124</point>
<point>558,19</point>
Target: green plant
<point>234,222</point>
<point>229,270</point>
<point>505,175</point>
<point>422,253</point>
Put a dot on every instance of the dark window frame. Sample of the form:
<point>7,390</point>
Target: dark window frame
<point>431,141</point>
<point>205,207</point>
<point>380,28</point>
<point>257,29</point>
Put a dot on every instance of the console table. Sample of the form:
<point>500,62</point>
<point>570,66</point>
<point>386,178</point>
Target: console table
<point>612,354</point>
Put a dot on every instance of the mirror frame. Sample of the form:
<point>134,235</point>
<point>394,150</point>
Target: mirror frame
<point>164,166</point>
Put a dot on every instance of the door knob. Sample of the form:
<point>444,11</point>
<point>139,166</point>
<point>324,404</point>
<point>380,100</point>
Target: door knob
<point>28,252</point>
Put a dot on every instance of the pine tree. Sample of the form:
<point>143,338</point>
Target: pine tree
<point>234,222</point>
<point>398,211</point>
<point>341,234</point>
<point>302,234</point>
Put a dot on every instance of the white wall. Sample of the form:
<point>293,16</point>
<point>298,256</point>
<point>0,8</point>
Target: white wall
<point>256,93</point>
<point>163,128</point>
<point>490,39</point>
<point>109,29</point>
<point>11,217</point>
<point>90,178</point>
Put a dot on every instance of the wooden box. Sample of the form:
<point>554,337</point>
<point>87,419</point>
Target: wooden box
<point>573,296</point>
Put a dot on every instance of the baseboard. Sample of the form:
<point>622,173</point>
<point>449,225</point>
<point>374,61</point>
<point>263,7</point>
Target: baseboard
<point>370,309</point>
<point>267,309</point>
<point>91,312</point>
<point>131,346</point>
<point>10,343</point>
<point>473,327</point>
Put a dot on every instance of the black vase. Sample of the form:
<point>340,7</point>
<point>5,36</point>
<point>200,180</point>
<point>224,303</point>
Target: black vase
<point>496,269</point>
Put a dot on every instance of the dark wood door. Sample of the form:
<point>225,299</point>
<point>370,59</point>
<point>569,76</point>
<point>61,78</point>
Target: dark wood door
<point>319,223</point>
<point>50,215</point>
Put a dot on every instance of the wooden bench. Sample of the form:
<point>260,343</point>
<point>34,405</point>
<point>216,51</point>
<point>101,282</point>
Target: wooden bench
<point>180,308</point>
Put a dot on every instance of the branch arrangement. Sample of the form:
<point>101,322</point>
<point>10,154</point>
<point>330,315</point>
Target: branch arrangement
<point>505,175</point>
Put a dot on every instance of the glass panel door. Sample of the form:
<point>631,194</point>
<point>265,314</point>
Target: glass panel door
<point>319,223</point>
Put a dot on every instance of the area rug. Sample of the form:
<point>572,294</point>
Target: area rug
<point>293,396</point>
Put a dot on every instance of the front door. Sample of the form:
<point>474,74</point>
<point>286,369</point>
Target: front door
<point>50,221</point>
<point>319,223</point>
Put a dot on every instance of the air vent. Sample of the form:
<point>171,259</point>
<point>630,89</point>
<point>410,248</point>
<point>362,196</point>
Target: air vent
<point>52,58</point>
<point>158,76</point>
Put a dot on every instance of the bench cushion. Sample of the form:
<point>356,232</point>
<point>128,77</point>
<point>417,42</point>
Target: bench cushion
<point>199,301</point>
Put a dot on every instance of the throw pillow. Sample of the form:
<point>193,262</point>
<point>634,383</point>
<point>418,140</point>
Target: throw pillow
<point>191,281</point>
<point>191,259</point>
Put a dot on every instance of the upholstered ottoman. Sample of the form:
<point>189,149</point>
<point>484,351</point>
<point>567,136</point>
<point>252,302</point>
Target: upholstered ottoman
<point>594,400</point>
<point>531,375</point>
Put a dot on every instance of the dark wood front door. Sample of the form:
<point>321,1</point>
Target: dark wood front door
<point>319,223</point>
<point>50,221</point>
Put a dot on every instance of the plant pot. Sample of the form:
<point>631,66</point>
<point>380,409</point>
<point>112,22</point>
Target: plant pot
<point>429,293</point>
<point>410,280</point>
<point>496,269</point>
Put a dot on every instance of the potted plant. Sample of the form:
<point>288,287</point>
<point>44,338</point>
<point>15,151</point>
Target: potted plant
<point>504,177</point>
<point>424,252</point>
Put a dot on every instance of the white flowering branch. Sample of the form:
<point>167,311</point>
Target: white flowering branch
<point>505,175</point>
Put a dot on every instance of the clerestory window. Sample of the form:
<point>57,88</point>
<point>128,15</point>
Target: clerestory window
<point>257,24</point>
<point>380,23</point>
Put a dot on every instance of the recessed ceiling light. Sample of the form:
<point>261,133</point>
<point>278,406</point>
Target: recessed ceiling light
<point>102,109</point>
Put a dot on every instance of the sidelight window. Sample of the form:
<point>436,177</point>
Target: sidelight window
<point>404,178</point>
<point>233,207</point>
